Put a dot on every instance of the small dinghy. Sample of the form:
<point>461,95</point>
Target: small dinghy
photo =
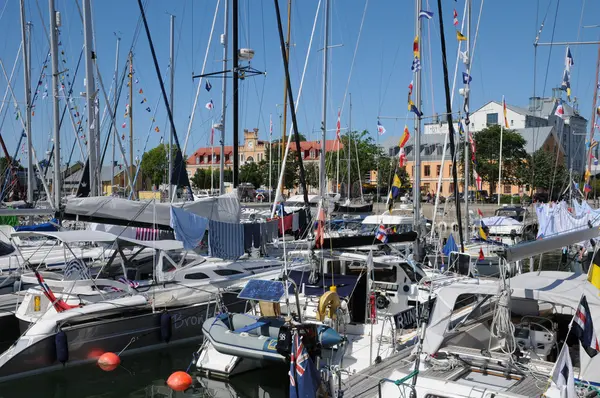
<point>246,336</point>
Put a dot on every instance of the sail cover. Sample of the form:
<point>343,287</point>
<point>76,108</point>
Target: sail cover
<point>112,210</point>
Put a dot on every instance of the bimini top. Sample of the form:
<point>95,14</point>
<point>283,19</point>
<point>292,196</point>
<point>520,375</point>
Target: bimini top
<point>387,219</point>
<point>100,237</point>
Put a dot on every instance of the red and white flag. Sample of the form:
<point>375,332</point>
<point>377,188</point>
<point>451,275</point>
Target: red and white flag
<point>455,18</point>
<point>478,181</point>
<point>402,158</point>
<point>338,127</point>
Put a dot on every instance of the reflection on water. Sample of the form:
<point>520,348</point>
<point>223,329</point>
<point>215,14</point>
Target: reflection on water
<point>144,375</point>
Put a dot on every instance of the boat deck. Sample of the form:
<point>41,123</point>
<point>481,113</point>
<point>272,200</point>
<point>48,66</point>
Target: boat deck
<point>365,383</point>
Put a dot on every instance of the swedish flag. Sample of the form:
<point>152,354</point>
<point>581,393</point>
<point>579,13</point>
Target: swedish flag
<point>396,186</point>
<point>482,234</point>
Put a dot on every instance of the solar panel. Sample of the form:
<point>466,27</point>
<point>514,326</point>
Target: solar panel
<point>262,290</point>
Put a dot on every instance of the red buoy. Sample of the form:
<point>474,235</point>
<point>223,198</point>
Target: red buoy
<point>179,381</point>
<point>109,361</point>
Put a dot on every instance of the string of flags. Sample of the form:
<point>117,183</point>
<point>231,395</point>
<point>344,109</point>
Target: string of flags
<point>566,79</point>
<point>142,100</point>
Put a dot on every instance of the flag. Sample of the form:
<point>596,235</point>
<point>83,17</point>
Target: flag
<point>569,60</point>
<point>396,186</point>
<point>594,144</point>
<point>304,378</point>
<point>504,110</point>
<point>157,129</point>
<point>455,15</point>
<point>481,255</point>
<point>583,328</point>
<point>566,82</point>
<point>382,234</point>
<point>416,65</point>
<point>410,88</point>
<point>209,105</point>
<point>416,47</point>
<point>124,125</point>
<point>466,78</point>
<point>595,160</point>
<point>562,375</point>
<point>425,14</point>
<point>320,233</point>
<point>212,136</point>
<point>479,212</point>
<point>482,234</point>
<point>587,188</point>
<point>405,137</point>
<point>560,110</point>
<point>338,126</point>
<point>141,91</point>
<point>208,86</point>
<point>594,275</point>
<point>402,158</point>
<point>460,36</point>
<point>270,126</point>
<point>380,129</point>
<point>413,108</point>
<point>478,181</point>
<point>148,109</point>
<point>461,129</point>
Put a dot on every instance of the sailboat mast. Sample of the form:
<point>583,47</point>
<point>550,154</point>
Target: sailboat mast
<point>349,149</point>
<point>56,186</point>
<point>468,125</point>
<point>30,172</point>
<point>172,95</point>
<point>115,132</point>
<point>499,191</point>
<point>285,98</point>
<point>90,89</point>
<point>131,117</point>
<point>322,179</point>
<point>224,40</point>
<point>417,151</point>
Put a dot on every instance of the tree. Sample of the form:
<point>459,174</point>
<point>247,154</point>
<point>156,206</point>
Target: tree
<point>201,179</point>
<point>487,155</point>
<point>312,174</point>
<point>252,173</point>
<point>291,167</point>
<point>155,164</point>
<point>542,171</point>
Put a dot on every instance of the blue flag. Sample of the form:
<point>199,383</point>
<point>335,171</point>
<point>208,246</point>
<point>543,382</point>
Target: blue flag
<point>466,78</point>
<point>208,86</point>
<point>304,378</point>
<point>450,246</point>
<point>425,14</point>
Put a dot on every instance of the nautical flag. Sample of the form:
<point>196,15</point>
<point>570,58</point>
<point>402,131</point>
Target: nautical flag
<point>124,125</point>
<point>382,234</point>
<point>45,94</point>
<point>304,378</point>
<point>208,86</point>
<point>598,111</point>
<point>587,188</point>
<point>212,135</point>
<point>479,212</point>
<point>481,255</point>
<point>142,101</point>
<point>583,328</point>
<point>338,126</point>
<point>425,14</point>
<point>466,78</point>
<point>209,105</point>
<point>560,111</point>
<point>380,129</point>
<point>482,234</point>
<point>478,181</point>
<point>569,60</point>
<point>416,65</point>
<point>455,18</point>
<point>504,111</point>
<point>402,158</point>
<point>460,36</point>
<point>566,83</point>
<point>141,91</point>
<point>416,47</point>
<point>413,108</point>
<point>157,129</point>
<point>595,159</point>
<point>562,375</point>
<point>148,109</point>
<point>405,137</point>
<point>410,88</point>
<point>461,129</point>
<point>396,186</point>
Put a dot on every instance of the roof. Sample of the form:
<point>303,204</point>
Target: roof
<point>537,136</point>
<point>517,109</point>
<point>104,174</point>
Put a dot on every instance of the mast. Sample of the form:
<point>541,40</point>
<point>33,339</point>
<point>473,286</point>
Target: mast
<point>56,186</point>
<point>90,98</point>
<point>499,191</point>
<point>349,149</point>
<point>322,179</point>
<point>417,173</point>
<point>224,40</point>
<point>236,148</point>
<point>131,117</point>
<point>30,172</point>
<point>285,98</point>
<point>114,135</point>
<point>593,119</point>
<point>172,77</point>
<point>468,125</point>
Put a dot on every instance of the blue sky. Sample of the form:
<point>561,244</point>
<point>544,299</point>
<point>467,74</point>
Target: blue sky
<point>503,62</point>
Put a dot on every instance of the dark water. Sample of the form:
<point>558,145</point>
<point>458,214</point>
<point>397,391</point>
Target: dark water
<point>144,375</point>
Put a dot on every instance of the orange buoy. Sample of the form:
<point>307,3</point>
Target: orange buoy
<point>109,361</point>
<point>179,381</point>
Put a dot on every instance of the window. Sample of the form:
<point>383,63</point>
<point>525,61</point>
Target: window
<point>413,170</point>
<point>427,171</point>
<point>227,272</point>
<point>440,150</point>
<point>452,188</point>
<point>507,189</point>
<point>450,169</point>
<point>492,118</point>
<point>196,275</point>
<point>312,153</point>
<point>438,169</point>
<point>241,157</point>
<point>205,158</point>
<point>512,122</point>
<point>197,159</point>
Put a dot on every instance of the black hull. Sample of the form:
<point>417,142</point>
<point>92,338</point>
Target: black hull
<point>364,208</point>
<point>133,331</point>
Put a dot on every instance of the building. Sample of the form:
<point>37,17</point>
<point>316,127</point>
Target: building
<point>253,150</point>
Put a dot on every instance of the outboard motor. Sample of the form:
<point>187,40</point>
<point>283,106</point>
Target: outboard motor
<point>284,341</point>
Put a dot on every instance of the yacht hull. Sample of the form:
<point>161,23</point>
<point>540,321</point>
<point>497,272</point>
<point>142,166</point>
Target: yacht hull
<point>128,332</point>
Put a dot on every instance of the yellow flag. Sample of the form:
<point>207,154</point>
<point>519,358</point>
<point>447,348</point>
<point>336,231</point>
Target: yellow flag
<point>410,104</point>
<point>594,275</point>
<point>460,36</point>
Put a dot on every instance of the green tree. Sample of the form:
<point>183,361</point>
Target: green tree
<point>155,164</point>
<point>312,174</point>
<point>252,173</point>
<point>291,172</point>
<point>487,155</point>
<point>542,171</point>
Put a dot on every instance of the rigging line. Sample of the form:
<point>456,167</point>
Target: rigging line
<point>3,9</point>
<point>576,50</point>
<point>430,66</point>
<point>360,29</point>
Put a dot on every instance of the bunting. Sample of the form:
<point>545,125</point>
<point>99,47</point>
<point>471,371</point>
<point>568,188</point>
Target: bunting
<point>455,18</point>
<point>460,36</point>
<point>404,138</point>
<point>416,47</point>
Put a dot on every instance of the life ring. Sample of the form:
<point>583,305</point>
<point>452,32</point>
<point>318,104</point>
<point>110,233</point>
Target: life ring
<point>455,227</point>
<point>329,300</point>
<point>442,226</point>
